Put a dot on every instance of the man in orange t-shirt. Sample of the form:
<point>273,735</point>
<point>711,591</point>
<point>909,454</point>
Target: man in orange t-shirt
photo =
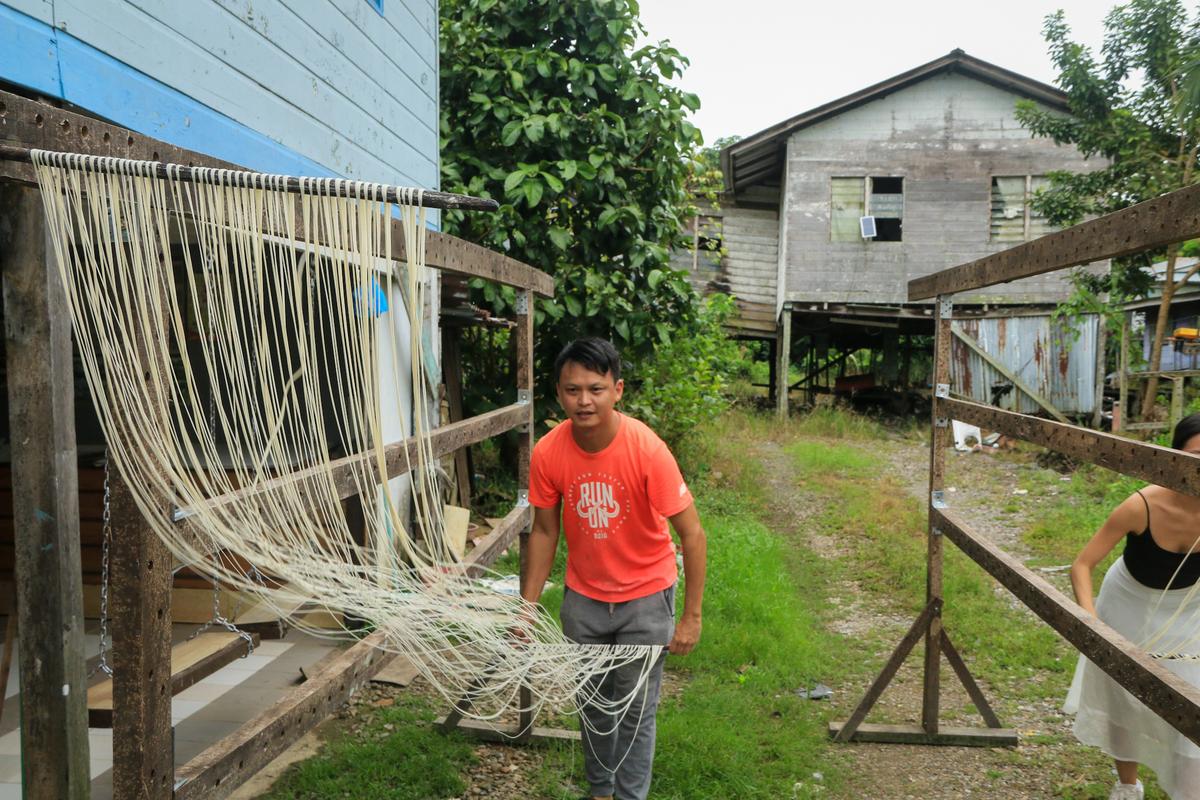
<point>614,484</point>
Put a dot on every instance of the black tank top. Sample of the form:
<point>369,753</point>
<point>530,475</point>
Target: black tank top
<point>1152,566</point>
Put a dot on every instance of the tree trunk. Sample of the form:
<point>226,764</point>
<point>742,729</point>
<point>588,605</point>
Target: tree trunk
<point>1160,330</point>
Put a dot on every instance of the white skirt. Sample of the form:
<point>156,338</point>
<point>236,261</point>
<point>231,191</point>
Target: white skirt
<point>1110,718</point>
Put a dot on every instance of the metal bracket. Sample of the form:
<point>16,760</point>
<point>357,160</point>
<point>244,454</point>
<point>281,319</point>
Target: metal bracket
<point>524,397</point>
<point>937,498</point>
<point>945,307</point>
<point>942,422</point>
<point>522,304</point>
<point>936,531</point>
<point>523,498</point>
<point>180,514</point>
<point>942,391</point>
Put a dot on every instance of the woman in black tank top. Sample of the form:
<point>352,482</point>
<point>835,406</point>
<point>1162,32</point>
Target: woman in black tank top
<point>1161,559</point>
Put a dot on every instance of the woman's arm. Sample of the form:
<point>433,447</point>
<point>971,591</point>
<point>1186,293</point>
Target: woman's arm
<point>1129,516</point>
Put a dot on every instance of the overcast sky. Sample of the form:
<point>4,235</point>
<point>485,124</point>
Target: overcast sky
<point>757,62</point>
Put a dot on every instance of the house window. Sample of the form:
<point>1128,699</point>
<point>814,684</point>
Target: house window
<point>881,198</point>
<point>1013,216</point>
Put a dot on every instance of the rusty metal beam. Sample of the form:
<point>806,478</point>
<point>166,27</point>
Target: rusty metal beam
<point>1163,692</point>
<point>28,123</point>
<point>1174,217</point>
<point>1162,465</point>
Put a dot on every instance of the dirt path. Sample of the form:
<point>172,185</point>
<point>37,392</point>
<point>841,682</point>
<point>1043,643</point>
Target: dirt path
<point>983,489</point>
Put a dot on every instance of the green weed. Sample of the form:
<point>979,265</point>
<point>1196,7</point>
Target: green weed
<point>395,756</point>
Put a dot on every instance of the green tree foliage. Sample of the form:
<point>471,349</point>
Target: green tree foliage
<point>553,110</point>
<point>1131,108</point>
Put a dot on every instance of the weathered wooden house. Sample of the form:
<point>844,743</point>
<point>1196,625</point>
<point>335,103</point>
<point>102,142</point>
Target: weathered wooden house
<point>827,215</point>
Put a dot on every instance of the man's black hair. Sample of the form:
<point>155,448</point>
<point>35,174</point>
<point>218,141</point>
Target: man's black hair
<point>1188,427</point>
<point>591,352</point>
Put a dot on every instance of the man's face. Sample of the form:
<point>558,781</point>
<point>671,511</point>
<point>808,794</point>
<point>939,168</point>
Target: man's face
<point>587,397</point>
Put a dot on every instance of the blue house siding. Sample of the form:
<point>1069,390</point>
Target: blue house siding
<point>330,91</point>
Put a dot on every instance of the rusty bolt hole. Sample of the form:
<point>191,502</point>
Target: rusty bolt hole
<point>83,131</point>
<point>107,136</point>
<point>65,125</point>
<point>3,109</point>
<point>37,120</point>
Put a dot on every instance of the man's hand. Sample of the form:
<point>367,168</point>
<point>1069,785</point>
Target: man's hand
<point>687,634</point>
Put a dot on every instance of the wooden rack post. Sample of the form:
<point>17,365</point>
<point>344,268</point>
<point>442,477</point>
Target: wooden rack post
<point>929,622</point>
<point>1165,220</point>
<point>939,439</point>
<point>140,585</point>
<point>45,492</point>
<point>524,334</point>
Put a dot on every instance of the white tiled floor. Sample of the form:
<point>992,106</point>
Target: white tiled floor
<point>185,704</point>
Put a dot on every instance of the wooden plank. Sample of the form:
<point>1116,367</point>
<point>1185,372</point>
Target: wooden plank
<point>399,458</point>
<point>968,681</point>
<point>49,587</point>
<point>1163,692</point>
<point>452,375</point>
<point>191,662</point>
<point>1007,373</point>
<point>509,735</point>
<point>919,628</point>
<point>340,104</point>
<point>217,771</point>
<point>1162,465</point>
<point>224,766</point>
<point>914,734</point>
<point>1174,217</point>
<point>27,123</point>
<point>499,539</point>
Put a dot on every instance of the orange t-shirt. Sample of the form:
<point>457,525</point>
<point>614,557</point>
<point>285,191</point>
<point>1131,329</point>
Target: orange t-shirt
<point>615,505</point>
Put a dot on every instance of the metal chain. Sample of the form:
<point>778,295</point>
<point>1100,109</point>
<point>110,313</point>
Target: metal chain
<point>106,548</point>
<point>217,617</point>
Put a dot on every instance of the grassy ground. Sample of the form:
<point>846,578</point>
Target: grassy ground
<point>734,726</point>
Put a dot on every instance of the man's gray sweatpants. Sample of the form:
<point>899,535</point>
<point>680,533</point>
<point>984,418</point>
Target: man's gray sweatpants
<point>630,748</point>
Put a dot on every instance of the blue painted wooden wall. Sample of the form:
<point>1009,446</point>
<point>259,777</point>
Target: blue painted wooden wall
<point>324,87</point>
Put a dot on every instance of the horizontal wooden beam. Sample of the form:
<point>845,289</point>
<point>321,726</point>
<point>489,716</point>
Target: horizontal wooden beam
<point>499,540</point>
<point>915,734</point>
<point>399,458</point>
<point>217,771</point>
<point>191,661</point>
<point>491,733</point>
<point>1163,692</point>
<point>1162,465</point>
<point>227,764</point>
<point>1155,223</point>
<point>27,123</point>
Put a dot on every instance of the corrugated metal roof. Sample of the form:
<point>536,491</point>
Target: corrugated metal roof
<point>1046,359</point>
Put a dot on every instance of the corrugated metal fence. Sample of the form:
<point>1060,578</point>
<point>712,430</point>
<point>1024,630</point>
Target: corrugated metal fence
<point>1055,363</point>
